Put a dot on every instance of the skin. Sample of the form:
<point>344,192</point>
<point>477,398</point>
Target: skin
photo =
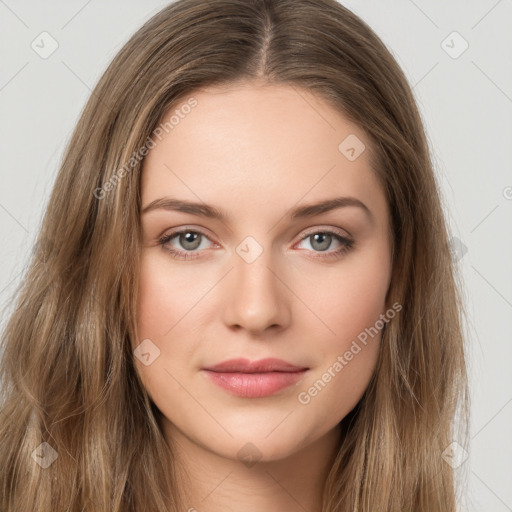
<point>255,151</point>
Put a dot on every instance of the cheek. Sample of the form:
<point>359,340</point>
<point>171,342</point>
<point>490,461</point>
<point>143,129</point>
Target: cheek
<point>154,303</point>
<point>350,304</point>
<point>160,315</point>
<point>349,298</point>
<point>166,298</point>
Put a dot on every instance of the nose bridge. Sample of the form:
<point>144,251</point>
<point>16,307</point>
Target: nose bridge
<point>255,299</point>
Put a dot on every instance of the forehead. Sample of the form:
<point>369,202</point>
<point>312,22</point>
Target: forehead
<point>257,143</point>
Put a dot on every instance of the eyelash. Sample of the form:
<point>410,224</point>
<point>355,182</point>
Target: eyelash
<point>347,245</point>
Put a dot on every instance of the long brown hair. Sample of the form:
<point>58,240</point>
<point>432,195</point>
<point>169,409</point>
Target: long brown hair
<point>69,384</point>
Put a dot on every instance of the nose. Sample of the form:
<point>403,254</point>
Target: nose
<point>255,296</point>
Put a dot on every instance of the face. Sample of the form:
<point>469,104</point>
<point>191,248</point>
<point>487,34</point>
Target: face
<point>267,277</point>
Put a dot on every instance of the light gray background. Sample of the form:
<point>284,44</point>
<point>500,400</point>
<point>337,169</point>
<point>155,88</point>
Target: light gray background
<point>466,103</point>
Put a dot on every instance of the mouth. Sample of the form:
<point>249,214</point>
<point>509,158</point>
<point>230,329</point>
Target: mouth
<point>256,379</point>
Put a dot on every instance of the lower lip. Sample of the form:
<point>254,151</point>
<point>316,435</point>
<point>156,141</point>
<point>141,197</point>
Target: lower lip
<point>254,385</point>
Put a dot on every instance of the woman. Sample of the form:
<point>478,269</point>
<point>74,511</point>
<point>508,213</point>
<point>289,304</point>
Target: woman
<point>242,296</point>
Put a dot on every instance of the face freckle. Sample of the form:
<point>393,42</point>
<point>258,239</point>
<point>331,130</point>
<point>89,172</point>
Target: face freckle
<point>260,282</point>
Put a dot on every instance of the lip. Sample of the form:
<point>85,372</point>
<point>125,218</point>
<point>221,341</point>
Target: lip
<point>254,379</point>
<point>241,365</point>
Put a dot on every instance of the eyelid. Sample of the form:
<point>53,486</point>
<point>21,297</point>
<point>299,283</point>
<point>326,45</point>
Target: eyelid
<point>182,229</point>
<point>320,229</point>
<point>304,234</point>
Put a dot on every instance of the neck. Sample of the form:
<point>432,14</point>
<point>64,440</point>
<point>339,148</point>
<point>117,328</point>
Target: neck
<point>210,482</point>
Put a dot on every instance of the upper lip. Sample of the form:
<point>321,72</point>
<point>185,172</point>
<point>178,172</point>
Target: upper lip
<point>242,365</point>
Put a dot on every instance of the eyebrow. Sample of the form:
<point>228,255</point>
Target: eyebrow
<point>205,210</point>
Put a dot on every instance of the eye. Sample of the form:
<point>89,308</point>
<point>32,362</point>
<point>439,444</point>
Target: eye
<point>191,241</point>
<point>321,241</point>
